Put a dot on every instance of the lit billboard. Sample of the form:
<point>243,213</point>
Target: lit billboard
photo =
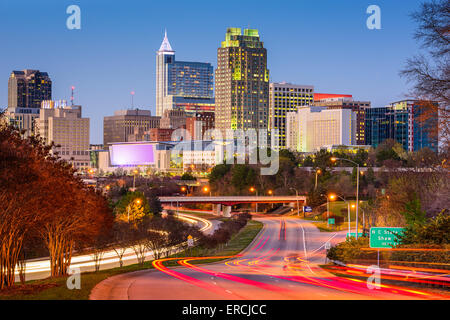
<point>132,154</point>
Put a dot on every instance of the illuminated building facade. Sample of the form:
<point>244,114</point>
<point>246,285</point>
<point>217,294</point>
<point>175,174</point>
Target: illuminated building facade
<point>125,123</point>
<point>314,127</point>
<point>65,126</point>
<point>336,101</point>
<point>403,122</point>
<point>242,82</point>
<point>179,82</point>
<point>283,98</point>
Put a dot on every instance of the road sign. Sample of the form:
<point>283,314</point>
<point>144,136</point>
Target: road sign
<point>331,221</point>
<point>384,237</point>
<point>328,245</point>
<point>353,234</point>
<point>307,209</point>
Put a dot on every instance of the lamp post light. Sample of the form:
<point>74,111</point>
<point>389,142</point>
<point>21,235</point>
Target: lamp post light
<point>252,189</point>
<point>318,171</point>
<point>298,205</point>
<point>206,189</point>
<point>334,159</point>
<point>135,172</point>
<point>270,193</point>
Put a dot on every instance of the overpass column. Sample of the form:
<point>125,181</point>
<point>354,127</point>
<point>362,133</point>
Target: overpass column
<point>217,209</point>
<point>227,211</point>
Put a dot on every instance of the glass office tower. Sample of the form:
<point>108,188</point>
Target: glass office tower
<point>180,82</point>
<point>242,82</point>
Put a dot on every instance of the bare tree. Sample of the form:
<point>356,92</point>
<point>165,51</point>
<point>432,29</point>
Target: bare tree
<point>430,72</point>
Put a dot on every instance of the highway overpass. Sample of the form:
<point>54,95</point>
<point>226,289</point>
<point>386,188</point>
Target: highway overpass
<point>225,202</point>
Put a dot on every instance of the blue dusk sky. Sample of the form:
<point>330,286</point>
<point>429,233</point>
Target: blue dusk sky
<point>324,43</point>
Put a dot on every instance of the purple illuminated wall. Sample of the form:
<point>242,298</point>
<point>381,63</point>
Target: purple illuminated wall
<point>132,154</point>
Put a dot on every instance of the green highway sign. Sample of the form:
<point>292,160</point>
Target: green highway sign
<point>383,237</point>
<point>353,234</point>
<point>331,220</point>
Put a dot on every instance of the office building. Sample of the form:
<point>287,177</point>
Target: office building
<point>402,122</point>
<point>311,128</point>
<point>180,83</point>
<point>173,119</point>
<point>26,91</point>
<point>242,82</point>
<point>123,123</point>
<point>336,101</point>
<point>28,88</point>
<point>67,129</point>
<point>283,98</point>
<point>199,124</point>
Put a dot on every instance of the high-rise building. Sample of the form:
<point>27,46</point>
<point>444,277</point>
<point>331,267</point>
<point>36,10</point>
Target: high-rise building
<point>311,128</point>
<point>65,126</point>
<point>26,91</point>
<point>402,122</point>
<point>283,98</point>
<point>335,101</point>
<point>28,88</point>
<point>242,82</point>
<point>179,82</point>
<point>123,123</point>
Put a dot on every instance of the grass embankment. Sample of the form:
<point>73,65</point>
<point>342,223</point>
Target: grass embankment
<point>338,208</point>
<point>56,289</point>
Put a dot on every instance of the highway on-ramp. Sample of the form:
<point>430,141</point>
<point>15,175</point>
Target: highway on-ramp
<point>281,263</point>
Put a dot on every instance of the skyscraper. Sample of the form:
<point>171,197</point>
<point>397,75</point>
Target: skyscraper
<point>180,83</point>
<point>26,91</point>
<point>28,88</point>
<point>285,97</point>
<point>242,82</point>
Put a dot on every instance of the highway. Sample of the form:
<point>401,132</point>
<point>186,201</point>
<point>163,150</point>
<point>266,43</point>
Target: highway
<point>281,263</point>
<point>40,268</point>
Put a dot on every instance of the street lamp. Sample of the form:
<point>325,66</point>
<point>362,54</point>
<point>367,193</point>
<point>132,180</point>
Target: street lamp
<point>318,171</point>
<point>334,159</point>
<point>298,205</point>
<point>252,189</point>
<point>135,172</point>
<point>270,193</point>
<point>206,189</point>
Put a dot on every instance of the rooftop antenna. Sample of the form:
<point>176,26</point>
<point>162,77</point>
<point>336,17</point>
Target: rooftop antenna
<point>71,97</point>
<point>132,99</point>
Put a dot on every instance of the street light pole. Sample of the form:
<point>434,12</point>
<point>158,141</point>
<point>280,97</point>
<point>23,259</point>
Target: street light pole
<point>357,188</point>
<point>298,205</point>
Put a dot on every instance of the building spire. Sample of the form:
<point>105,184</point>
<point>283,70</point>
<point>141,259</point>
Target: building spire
<point>165,45</point>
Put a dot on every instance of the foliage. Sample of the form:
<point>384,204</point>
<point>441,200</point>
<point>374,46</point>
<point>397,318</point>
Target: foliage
<point>43,202</point>
<point>434,231</point>
<point>133,206</point>
<point>187,176</point>
<point>349,251</point>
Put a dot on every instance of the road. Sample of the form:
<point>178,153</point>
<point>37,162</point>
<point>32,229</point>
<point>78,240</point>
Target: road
<point>40,268</point>
<point>281,263</point>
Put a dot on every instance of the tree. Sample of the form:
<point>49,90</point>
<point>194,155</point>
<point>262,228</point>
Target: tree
<point>188,176</point>
<point>132,207</point>
<point>430,72</point>
<point>121,235</point>
<point>155,205</point>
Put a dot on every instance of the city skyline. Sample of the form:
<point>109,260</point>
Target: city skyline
<point>101,49</point>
